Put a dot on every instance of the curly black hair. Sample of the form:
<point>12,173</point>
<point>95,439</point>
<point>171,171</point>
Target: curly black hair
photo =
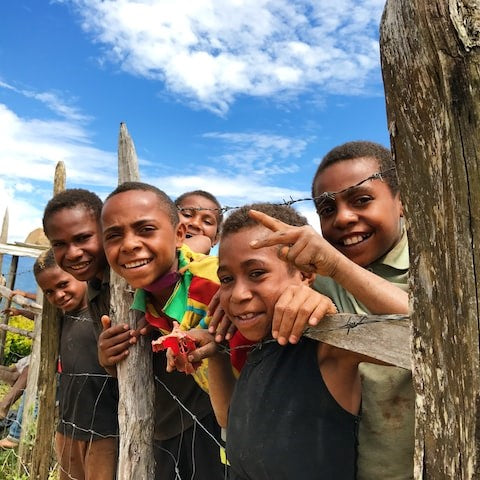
<point>361,149</point>
<point>239,218</point>
<point>71,198</point>
<point>164,200</point>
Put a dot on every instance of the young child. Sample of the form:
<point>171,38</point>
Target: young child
<point>201,213</point>
<point>143,242</point>
<point>293,411</point>
<point>86,438</point>
<point>363,265</point>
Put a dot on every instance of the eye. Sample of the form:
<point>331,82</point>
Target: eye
<point>362,200</point>
<point>48,293</point>
<point>257,274</point>
<point>209,221</point>
<point>326,210</point>
<point>225,279</point>
<point>84,238</point>
<point>186,213</point>
<point>63,285</point>
<point>57,244</point>
<point>111,236</point>
<point>147,229</point>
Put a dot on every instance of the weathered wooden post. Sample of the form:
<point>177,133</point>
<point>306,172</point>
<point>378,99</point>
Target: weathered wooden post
<point>38,430</point>
<point>135,375</point>
<point>4,319</point>
<point>431,68</point>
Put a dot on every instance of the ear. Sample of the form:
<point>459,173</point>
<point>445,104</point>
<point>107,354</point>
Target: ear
<point>307,278</point>
<point>180,234</point>
<point>216,239</point>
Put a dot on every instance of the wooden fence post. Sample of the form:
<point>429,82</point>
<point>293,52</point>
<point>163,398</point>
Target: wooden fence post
<point>38,430</point>
<point>4,320</point>
<point>430,53</point>
<point>135,375</point>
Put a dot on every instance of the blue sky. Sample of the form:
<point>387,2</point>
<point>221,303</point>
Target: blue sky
<point>241,98</point>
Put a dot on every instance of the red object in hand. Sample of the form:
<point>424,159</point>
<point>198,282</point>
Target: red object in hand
<point>181,345</point>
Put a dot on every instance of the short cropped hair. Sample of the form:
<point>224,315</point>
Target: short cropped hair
<point>71,198</point>
<point>361,149</point>
<point>163,199</point>
<point>239,219</point>
<point>45,260</point>
<point>208,196</point>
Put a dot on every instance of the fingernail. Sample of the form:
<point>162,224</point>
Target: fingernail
<point>253,243</point>
<point>282,341</point>
<point>293,339</point>
<point>274,333</point>
<point>313,321</point>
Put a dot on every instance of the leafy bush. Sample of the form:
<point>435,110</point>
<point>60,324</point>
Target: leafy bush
<point>17,346</point>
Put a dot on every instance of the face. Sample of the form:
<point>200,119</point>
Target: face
<point>363,222</point>
<point>139,239</point>
<point>199,222</point>
<point>76,241</point>
<point>251,281</point>
<point>62,289</point>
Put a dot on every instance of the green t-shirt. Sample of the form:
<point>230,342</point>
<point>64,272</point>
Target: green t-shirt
<point>386,433</point>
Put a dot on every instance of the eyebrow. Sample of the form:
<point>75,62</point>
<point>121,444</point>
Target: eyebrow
<point>331,196</point>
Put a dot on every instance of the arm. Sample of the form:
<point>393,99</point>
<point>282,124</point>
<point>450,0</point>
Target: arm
<point>12,311</point>
<point>31,296</point>
<point>221,380</point>
<point>310,252</point>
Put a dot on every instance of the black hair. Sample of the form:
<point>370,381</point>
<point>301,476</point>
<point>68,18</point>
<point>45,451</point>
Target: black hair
<point>361,149</point>
<point>208,196</point>
<point>164,200</point>
<point>71,198</point>
<point>44,261</point>
<point>239,219</point>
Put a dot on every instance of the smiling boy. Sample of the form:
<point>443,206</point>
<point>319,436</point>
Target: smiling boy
<point>143,241</point>
<point>362,261</point>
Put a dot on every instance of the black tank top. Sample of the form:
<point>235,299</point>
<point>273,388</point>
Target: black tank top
<point>283,422</point>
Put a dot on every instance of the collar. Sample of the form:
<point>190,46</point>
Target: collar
<point>398,256</point>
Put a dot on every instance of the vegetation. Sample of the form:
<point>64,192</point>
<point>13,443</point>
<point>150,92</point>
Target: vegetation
<point>17,346</point>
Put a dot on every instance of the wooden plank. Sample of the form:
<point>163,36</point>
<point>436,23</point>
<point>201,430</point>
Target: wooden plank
<point>20,300</point>
<point>60,178</point>
<point>430,52</point>
<point>19,331</point>
<point>20,250</point>
<point>384,337</point>
<point>135,412</point>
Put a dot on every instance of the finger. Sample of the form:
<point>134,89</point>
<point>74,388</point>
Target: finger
<point>106,322</point>
<point>326,308</point>
<point>202,352</point>
<point>223,329</point>
<point>230,332</point>
<point>213,305</point>
<point>216,319</point>
<point>267,221</point>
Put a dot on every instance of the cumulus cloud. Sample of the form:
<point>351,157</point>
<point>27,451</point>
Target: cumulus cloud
<point>211,51</point>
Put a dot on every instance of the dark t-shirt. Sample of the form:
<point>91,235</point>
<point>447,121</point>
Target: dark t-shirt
<point>283,422</point>
<point>88,395</point>
<point>170,418</point>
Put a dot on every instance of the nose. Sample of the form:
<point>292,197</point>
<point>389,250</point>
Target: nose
<point>58,296</point>
<point>344,216</point>
<point>74,252</point>
<point>240,292</point>
<point>194,222</point>
<point>130,242</point>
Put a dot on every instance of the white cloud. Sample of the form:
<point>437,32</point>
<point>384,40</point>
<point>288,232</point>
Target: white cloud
<point>211,51</point>
<point>258,153</point>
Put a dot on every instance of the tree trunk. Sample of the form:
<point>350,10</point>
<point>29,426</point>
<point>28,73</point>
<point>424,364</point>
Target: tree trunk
<point>135,374</point>
<point>431,69</point>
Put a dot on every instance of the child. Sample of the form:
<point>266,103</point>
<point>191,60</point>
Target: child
<point>86,438</point>
<point>202,215</point>
<point>143,242</point>
<point>293,411</point>
<point>363,262</point>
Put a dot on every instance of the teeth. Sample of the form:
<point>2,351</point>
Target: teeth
<point>246,316</point>
<point>355,239</point>
<point>137,263</point>
<point>79,266</point>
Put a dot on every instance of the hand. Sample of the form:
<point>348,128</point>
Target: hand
<point>205,347</point>
<point>113,343</point>
<point>22,293</point>
<point>303,247</point>
<point>220,325</point>
<point>11,311</point>
<point>199,244</point>
<point>296,307</point>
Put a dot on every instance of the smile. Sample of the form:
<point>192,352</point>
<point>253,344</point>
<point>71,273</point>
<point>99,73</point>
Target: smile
<point>137,263</point>
<point>246,316</point>
<point>79,266</point>
<point>354,239</point>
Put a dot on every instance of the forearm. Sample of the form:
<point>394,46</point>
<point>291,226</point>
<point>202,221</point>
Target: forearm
<point>376,293</point>
<point>221,383</point>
